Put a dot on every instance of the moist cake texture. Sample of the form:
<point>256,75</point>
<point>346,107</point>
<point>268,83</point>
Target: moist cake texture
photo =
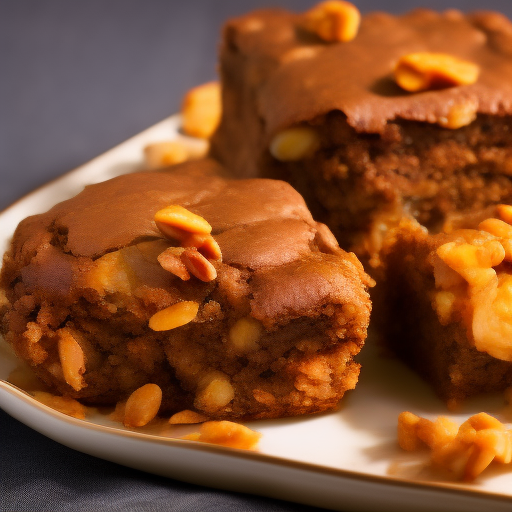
<point>376,152</point>
<point>453,292</point>
<point>278,320</point>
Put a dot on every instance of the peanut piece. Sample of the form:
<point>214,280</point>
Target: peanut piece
<point>333,21</point>
<point>63,404</point>
<point>170,260</point>
<point>436,433</point>
<point>464,451</point>
<point>111,274</point>
<point>245,334</point>
<point>496,227</point>
<point>205,244</point>
<point>180,218</point>
<point>198,265</point>
<point>201,110</point>
<point>72,359</point>
<point>264,397</point>
<point>459,116</point>
<point>423,71</point>
<point>142,405</point>
<point>171,152</point>
<point>474,263</point>
<point>227,433</point>
<point>294,144</point>
<point>505,212</point>
<point>407,431</point>
<point>174,316</point>
<point>443,303</point>
<point>187,417</point>
<point>163,154</point>
<point>214,392</point>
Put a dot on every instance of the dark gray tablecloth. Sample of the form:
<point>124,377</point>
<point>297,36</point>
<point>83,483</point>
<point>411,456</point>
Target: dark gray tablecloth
<point>76,78</point>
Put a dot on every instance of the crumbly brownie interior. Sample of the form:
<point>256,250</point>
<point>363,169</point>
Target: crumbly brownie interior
<point>415,169</point>
<point>88,268</point>
<point>382,151</point>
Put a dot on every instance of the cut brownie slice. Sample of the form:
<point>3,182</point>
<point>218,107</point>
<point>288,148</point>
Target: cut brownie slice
<point>331,119</point>
<point>101,302</point>
<point>453,293</point>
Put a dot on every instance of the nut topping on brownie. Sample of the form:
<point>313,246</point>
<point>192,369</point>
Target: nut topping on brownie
<point>337,121</point>
<point>101,301</point>
<point>422,71</point>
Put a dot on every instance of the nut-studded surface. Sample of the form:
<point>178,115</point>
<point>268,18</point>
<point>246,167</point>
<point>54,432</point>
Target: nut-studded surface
<point>381,150</point>
<point>268,330</point>
<point>453,291</point>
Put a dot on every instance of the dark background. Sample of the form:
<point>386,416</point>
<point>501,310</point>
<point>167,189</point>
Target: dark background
<point>77,78</point>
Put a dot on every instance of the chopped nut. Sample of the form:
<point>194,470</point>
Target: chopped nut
<point>163,154</point>
<point>444,302</point>
<point>459,116</point>
<point>174,316</point>
<point>484,305</point>
<point>333,21</point>
<point>178,218</point>
<point>142,405</point>
<point>118,413</point>
<point>72,359</point>
<point>205,244</point>
<point>214,392</point>
<point>505,212</point>
<point>170,260</point>
<point>474,263</point>
<point>198,265</point>
<point>201,110</point>
<point>496,227</point>
<point>245,334</point>
<point>294,144</point>
<point>480,421</point>
<point>408,431</point>
<point>111,274</point>
<point>227,433</point>
<point>422,71</point>
<point>464,451</point>
<point>436,433</point>
<point>63,404</point>
<point>264,397</point>
<point>187,417</point>
<point>170,152</point>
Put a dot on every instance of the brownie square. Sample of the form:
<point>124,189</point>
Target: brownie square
<point>276,323</point>
<point>380,152</point>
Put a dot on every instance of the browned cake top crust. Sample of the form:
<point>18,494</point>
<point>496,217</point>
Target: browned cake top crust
<point>300,77</point>
<point>260,225</point>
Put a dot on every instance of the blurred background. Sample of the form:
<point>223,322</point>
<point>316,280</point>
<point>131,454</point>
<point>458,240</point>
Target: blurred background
<point>77,78</point>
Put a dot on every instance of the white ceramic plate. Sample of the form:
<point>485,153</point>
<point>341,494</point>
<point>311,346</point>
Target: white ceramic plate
<point>346,460</point>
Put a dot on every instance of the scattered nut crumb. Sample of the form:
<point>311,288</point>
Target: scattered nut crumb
<point>201,110</point>
<point>170,152</point>
<point>464,452</point>
<point>63,404</point>
<point>226,433</point>
<point>142,405</point>
<point>187,417</point>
